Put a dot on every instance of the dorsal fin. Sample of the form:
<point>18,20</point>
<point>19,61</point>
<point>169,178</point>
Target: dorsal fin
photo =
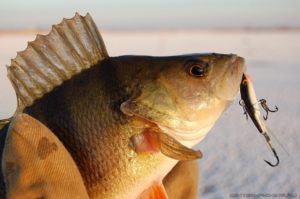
<point>71,46</point>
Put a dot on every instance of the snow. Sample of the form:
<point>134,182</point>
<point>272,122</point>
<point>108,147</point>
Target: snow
<point>233,150</point>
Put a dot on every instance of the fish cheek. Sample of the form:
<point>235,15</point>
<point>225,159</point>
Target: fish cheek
<point>190,93</point>
<point>152,102</point>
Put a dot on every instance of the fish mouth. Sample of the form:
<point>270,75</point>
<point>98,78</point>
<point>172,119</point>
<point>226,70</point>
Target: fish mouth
<point>228,86</point>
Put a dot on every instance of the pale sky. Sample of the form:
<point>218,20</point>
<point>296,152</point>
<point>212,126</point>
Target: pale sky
<point>153,13</point>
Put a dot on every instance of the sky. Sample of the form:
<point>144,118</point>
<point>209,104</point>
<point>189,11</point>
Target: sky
<point>116,14</point>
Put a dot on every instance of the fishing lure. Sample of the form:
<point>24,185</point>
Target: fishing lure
<point>250,103</point>
<point>264,105</point>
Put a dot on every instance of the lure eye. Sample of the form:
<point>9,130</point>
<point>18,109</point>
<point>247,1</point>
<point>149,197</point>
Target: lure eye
<point>198,69</point>
<point>245,82</point>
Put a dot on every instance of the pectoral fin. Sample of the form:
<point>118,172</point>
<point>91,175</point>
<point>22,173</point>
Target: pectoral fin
<point>156,191</point>
<point>174,149</point>
<point>152,140</point>
<point>35,163</point>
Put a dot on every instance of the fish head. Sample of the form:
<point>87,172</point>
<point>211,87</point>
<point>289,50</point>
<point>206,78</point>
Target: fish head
<point>186,94</point>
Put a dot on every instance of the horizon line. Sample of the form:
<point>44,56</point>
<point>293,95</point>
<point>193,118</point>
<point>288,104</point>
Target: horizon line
<point>219,28</point>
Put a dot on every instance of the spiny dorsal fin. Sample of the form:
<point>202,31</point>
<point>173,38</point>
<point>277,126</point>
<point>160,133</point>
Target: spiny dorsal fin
<point>71,46</point>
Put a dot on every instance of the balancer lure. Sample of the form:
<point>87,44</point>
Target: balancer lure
<point>249,103</point>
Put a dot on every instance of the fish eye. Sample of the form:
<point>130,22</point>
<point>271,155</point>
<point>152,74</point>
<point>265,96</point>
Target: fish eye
<point>198,69</point>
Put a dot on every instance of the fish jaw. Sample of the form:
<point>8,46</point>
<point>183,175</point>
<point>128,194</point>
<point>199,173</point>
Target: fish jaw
<point>194,137</point>
<point>229,84</point>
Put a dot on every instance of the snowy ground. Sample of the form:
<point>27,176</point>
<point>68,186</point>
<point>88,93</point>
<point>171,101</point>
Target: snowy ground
<point>233,150</point>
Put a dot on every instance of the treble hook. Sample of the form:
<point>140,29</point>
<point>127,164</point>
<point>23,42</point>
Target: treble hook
<point>242,104</point>
<point>264,105</point>
<point>273,150</point>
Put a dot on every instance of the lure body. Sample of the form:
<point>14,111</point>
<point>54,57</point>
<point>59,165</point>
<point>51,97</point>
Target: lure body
<point>250,105</point>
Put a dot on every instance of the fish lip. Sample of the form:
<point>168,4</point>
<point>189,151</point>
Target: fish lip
<point>237,61</point>
<point>232,77</point>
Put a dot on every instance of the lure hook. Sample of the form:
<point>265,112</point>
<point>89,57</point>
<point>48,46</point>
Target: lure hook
<point>277,158</point>
<point>273,150</point>
<point>264,105</point>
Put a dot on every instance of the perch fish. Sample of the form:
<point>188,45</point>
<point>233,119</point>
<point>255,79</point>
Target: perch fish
<point>126,120</point>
